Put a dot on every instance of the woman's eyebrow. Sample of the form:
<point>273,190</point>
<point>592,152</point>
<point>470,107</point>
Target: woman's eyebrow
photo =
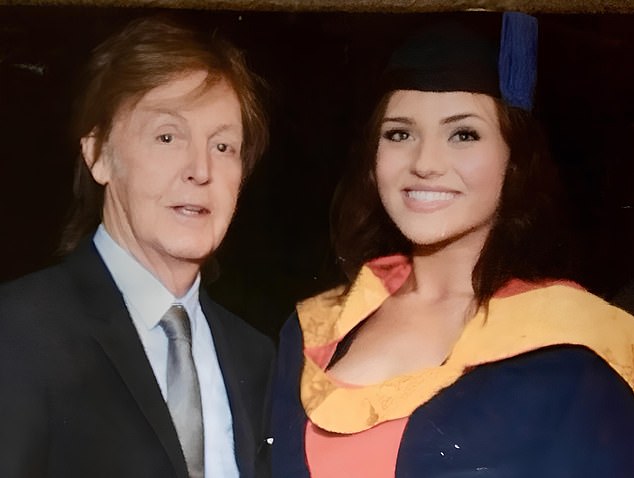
<point>459,117</point>
<point>398,119</point>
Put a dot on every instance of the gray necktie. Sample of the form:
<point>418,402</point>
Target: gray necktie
<point>183,389</point>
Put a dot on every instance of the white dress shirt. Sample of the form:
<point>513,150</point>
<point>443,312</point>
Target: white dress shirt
<point>147,300</point>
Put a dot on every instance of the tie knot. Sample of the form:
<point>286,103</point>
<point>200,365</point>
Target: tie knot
<point>175,323</point>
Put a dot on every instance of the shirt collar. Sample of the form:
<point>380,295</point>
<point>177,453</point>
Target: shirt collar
<point>141,290</point>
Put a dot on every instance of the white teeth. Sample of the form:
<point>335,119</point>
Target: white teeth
<point>430,195</point>
<point>191,209</point>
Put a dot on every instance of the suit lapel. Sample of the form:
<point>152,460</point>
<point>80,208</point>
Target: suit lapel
<point>112,327</point>
<point>230,365</point>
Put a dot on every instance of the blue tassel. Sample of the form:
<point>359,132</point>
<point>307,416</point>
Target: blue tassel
<point>517,63</point>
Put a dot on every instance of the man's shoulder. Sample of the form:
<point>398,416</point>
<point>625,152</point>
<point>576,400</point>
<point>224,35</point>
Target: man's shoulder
<point>231,322</point>
<point>33,309</point>
<point>34,286</point>
<point>55,288</point>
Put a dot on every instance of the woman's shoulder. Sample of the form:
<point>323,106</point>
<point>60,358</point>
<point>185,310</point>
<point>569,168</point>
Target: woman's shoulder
<point>516,287</point>
<point>558,300</point>
<point>531,316</point>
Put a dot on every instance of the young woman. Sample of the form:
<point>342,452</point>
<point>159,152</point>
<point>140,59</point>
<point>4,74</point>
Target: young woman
<point>451,352</point>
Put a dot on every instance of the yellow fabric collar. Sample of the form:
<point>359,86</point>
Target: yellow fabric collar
<point>552,314</point>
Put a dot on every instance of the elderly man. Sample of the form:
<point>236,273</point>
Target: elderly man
<point>116,363</point>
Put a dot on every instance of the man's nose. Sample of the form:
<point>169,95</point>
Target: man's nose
<point>198,168</point>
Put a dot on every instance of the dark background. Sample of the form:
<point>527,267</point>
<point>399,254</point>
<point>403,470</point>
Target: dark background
<point>318,66</point>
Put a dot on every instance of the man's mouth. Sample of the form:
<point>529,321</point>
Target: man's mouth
<point>191,210</point>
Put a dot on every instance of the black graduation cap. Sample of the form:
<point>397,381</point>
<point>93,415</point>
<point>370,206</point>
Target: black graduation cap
<point>454,57</point>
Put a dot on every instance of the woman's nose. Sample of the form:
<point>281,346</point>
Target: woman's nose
<point>429,160</point>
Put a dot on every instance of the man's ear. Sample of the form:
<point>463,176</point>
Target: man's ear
<point>95,160</point>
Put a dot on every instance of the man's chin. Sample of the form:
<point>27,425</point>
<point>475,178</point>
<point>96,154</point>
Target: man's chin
<point>190,254</point>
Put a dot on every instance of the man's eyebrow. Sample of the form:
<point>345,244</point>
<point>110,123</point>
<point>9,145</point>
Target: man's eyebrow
<point>226,127</point>
<point>161,111</point>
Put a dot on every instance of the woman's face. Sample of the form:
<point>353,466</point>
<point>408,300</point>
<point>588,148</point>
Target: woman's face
<point>440,165</point>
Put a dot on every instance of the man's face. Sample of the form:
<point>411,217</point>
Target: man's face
<point>172,171</point>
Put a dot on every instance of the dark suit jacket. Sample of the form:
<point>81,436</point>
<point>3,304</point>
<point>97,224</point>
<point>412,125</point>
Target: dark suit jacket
<point>78,397</point>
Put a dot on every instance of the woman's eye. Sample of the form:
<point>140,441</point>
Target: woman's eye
<point>222,147</point>
<point>465,135</point>
<point>396,135</point>
<point>165,138</point>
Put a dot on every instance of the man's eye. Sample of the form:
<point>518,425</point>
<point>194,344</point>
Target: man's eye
<point>396,135</point>
<point>165,138</point>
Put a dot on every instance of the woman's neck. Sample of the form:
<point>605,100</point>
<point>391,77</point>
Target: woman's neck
<point>444,270</point>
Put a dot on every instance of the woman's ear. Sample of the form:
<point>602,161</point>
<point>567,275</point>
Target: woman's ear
<point>94,158</point>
